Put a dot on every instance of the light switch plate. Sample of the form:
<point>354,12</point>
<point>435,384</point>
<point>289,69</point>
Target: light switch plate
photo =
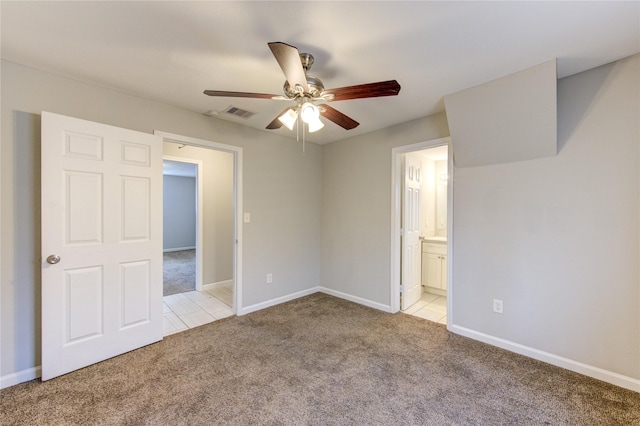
<point>247,218</point>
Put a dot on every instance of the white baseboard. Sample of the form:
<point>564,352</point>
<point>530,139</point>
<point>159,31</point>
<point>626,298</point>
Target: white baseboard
<point>216,284</point>
<point>307,292</point>
<point>356,299</point>
<point>432,290</point>
<point>20,377</point>
<point>568,364</point>
<point>276,301</point>
<point>169,250</point>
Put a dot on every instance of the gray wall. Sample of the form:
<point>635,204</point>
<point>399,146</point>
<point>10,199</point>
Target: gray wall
<point>356,207</point>
<point>282,190</point>
<point>512,118</point>
<point>217,211</point>
<point>557,238</point>
<point>178,212</point>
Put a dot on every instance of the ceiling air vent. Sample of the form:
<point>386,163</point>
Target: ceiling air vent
<point>238,112</point>
<point>229,111</point>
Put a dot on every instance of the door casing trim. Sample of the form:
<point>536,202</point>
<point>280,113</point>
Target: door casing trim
<point>396,216</point>
<point>237,305</point>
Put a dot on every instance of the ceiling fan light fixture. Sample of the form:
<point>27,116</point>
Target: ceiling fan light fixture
<point>305,89</point>
<point>289,118</point>
<point>309,112</point>
<point>315,125</point>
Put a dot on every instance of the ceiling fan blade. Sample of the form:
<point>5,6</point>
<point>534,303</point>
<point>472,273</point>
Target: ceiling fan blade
<point>239,94</point>
<point>276,124</point>
<point>337,117</point>
<point>371,90</point>
<point>289,60</point>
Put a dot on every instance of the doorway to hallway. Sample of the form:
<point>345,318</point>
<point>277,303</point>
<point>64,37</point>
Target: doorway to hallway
<point>213,249</point>
<point>182,224</point>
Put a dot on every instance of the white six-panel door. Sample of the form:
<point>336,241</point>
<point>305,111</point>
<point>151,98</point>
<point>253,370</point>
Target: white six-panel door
<point>411,250</point>
<point>101,242</point>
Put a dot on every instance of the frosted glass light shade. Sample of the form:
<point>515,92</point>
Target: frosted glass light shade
<point>289,118</point>
<point>315,125</point>
<point>309,112</point>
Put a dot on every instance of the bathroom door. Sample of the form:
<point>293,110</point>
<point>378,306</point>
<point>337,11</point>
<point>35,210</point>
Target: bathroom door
<point>411,249</point>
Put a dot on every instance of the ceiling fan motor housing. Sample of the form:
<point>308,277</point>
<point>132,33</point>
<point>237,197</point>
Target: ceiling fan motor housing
<point>316,87</point>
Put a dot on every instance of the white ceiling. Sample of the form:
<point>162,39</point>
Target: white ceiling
<point>172,51</point>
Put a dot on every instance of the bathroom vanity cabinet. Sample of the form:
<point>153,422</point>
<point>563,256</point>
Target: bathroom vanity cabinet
<point>434,265</point>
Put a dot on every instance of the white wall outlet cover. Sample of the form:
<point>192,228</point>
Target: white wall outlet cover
<point>497,306</point>
<point>247,218</point>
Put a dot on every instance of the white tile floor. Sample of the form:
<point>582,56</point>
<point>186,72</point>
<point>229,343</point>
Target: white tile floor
<point>430,307</point>
<point>194,308</point>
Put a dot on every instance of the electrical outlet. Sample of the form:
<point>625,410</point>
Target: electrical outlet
<point>269,278</point>
<point>497,306</point>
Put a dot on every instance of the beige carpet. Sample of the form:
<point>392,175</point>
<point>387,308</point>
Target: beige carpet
<point>178,272</point>
<point>320,361</point>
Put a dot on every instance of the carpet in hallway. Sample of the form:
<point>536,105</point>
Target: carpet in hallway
<point>179,272</point>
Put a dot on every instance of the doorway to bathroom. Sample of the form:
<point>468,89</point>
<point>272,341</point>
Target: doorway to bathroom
<point>421,228</point>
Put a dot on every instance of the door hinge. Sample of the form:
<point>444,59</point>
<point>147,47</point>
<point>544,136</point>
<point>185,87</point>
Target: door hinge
<point>401,289</point>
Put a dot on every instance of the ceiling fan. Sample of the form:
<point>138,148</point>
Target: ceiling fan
<point>309,93</point>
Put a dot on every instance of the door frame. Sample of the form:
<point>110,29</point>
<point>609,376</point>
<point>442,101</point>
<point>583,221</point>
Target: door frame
<point>237,305</point>
<point>199,211</point>
<point>396,220</point>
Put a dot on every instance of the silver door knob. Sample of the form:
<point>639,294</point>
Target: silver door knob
<point>53,259</point>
